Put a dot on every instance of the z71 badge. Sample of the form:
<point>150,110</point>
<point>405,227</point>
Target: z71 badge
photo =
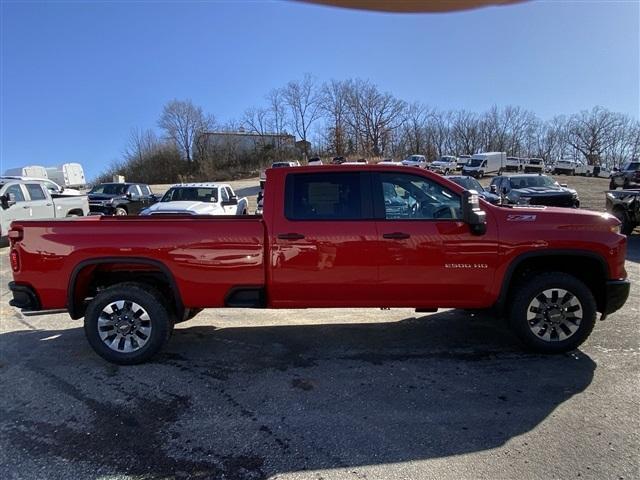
<point>521,218</point>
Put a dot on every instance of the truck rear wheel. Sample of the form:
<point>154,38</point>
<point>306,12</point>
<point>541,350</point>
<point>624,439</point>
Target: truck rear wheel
<point>552,312</point>
<point>127,323</point>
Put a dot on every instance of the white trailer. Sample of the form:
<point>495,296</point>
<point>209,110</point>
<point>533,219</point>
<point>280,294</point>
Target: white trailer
<point>482,164</point>
<point>36,171</point>
<point>67,175</point>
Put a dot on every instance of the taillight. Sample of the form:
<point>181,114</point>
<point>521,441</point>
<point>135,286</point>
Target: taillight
<point>14,258</point>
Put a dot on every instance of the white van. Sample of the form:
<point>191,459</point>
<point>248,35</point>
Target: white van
<point>36,171</point>
<point>67,175</point>
<point>482,164</point>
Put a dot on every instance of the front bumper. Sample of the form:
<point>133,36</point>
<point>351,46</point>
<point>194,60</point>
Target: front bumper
<point>615,295</point>
<point>24,297</point>
<point>101,209</point>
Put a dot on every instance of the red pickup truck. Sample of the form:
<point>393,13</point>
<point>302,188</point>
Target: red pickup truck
<point>330,236</point>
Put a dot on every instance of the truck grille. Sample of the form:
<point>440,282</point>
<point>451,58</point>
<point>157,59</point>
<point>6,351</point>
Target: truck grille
<point>553,201</point>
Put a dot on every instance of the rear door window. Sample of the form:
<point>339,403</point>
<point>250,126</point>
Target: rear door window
<point>328,196</point>
<point>35,191</point>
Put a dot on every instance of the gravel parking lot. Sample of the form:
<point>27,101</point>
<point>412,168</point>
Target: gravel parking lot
<point>323,394</point>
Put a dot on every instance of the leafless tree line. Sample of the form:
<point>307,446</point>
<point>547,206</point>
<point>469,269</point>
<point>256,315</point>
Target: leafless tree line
<point>355,118</point>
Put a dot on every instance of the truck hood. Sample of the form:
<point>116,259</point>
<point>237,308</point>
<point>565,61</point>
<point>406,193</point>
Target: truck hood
<point>102,196</point>
<point>557,218</point>
<point>195,208</point>
<point>542,191</point>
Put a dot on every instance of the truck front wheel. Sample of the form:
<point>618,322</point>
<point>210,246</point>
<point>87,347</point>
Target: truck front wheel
<point>127,323</point>
<point>552,312</point>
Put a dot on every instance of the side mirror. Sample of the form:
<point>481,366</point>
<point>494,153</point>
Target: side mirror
<point>129,195</point>
<point>472,214</point>
<point>493,188</point>
<point>8,200</point>
<point>564,185</point>
<point>233,200</point>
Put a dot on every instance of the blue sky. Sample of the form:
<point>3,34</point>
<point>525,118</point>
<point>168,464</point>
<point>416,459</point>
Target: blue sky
<point>78,76</point>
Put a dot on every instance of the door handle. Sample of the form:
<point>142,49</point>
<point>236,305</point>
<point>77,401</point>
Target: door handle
<point>26,207</point>
<point>49,204</point>
<point>290,236</point>
<point>396,236</point>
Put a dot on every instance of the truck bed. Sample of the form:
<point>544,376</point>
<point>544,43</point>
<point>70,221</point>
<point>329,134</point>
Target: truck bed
<point>204,260</point>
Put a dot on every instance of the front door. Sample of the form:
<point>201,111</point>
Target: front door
<point>18,211</point>
<point>324,243</point>
<point>428,257</point>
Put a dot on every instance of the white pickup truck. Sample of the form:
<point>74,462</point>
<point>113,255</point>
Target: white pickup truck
<point>444,165</point>
<point>31,200</point>
<point>199,199</point>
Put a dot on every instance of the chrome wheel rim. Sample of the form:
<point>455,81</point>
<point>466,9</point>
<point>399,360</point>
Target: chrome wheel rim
<point>554,315</point>
<point>124,326</point>
<point>121,211</point>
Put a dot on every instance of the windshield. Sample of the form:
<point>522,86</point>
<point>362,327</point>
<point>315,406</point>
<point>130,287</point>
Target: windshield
<point>110,189</point>
<point>632,166</point>
<point>475,162</point>
<point>193,194</point>
<point>280,165</point>
<point>533,181</point>
<point>468,183</point>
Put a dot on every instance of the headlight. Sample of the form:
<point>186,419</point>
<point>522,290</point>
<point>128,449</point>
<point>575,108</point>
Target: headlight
<point>616,228</point>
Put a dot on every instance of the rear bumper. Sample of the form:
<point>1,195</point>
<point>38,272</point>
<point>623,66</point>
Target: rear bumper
<point>616,294</point>
<point>24,297</point>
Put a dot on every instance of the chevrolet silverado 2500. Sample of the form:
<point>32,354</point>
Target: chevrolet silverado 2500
<point>329,236</point>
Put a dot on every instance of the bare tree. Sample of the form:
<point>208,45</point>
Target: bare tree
<point>590,132</point>
<point>334,106</point>
<point>183,122</point>
<point>304,101</point>
<point>140,143</point>
<point>278,118</point>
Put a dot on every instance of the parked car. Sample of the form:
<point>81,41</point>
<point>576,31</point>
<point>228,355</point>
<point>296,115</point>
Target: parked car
<point>569,166</point>
<point>340,236</point>
<point>534,165</point>
<point>54,189</point>
<point>625,206</point>
<point>462,161</point>
<point>471,183</point>
<point>120,198</point>
<point>415,161</point>
<point>263,173</point>
<point>260,202</point>
<point>534,189</point>
<point>444,165</point>
<point>30,199</point>
<point>338,160</point>
<point>315,161</point>
<point>199,199</point>
<point>388,161</point>
<point>513,164</point>
<point>482,164</point>
<point>627,177</point>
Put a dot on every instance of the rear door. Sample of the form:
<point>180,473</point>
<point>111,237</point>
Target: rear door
<point>324,243</point>
<point>428,256</point>
<point>40,204</point>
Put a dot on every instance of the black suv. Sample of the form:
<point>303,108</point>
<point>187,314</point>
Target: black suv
<point>534,189</point>
<point>120,198</point>
<point>627,177</point>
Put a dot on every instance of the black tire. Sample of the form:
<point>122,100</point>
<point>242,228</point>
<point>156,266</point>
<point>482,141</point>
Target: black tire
<point>627,226</point>
<point>160,315</point>
<point>530,289</point>
<point>612,185</point>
